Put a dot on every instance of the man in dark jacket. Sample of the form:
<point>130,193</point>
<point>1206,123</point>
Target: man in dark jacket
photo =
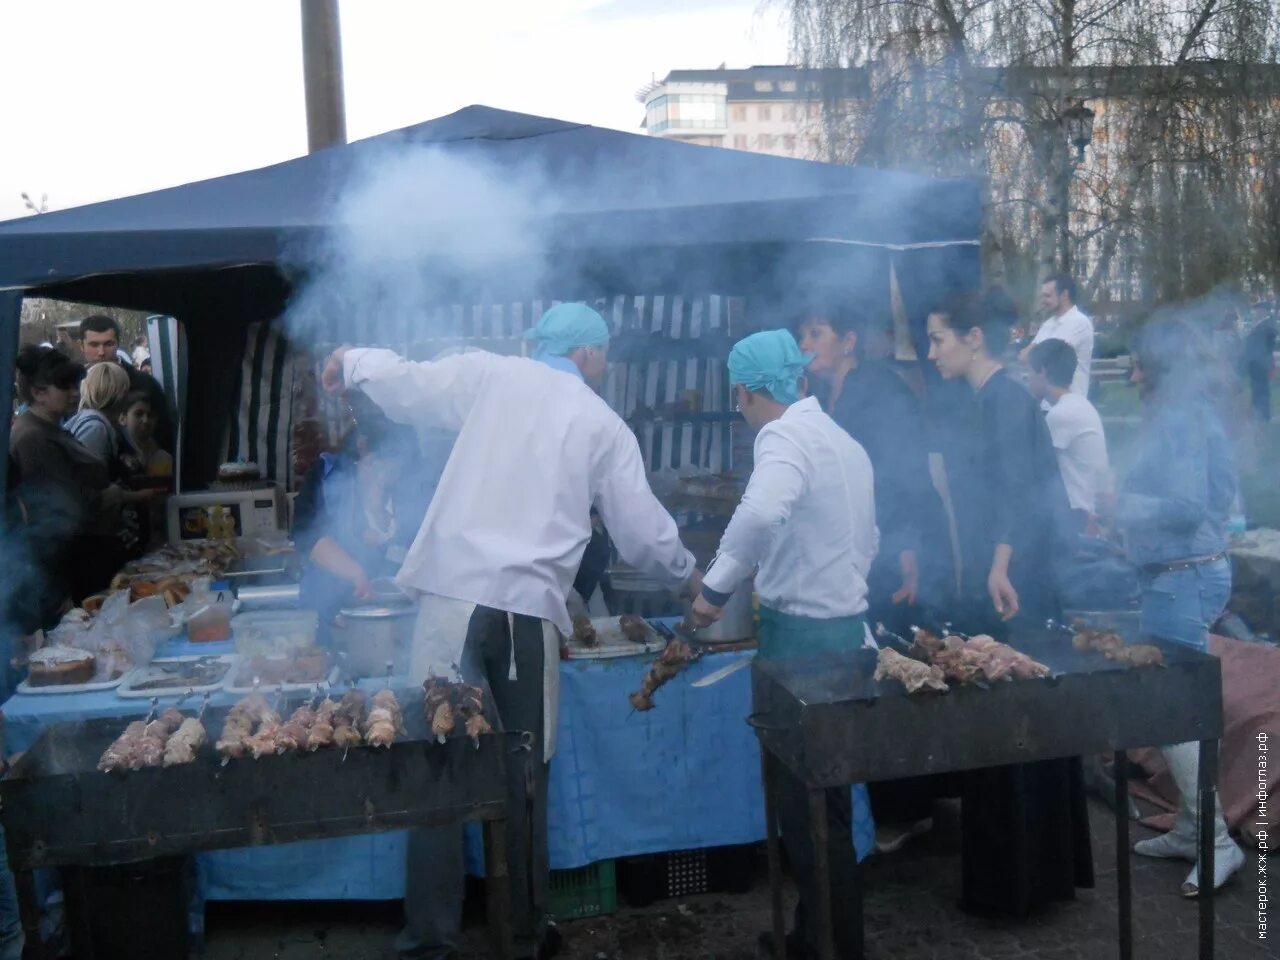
<point>99,342</point>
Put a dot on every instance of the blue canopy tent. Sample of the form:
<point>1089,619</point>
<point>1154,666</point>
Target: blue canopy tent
<point>630,213</point>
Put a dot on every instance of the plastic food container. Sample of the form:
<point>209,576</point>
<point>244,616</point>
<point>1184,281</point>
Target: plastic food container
<point>271,631</point>
<point>211,622</point>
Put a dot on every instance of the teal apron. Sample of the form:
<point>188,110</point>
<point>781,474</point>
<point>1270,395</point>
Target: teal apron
<point>784,635</point>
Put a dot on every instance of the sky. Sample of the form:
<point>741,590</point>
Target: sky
<point>104,100</point>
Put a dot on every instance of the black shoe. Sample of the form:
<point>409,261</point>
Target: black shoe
<point>796,948</point>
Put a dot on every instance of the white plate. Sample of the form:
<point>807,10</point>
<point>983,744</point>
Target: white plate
<point>611,642</point>
<point>91,687</point>
<point>140,675</point>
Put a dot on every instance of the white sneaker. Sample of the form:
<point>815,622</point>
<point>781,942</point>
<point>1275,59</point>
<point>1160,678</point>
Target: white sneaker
<point>1227,859</point>
<point>1173,845</point>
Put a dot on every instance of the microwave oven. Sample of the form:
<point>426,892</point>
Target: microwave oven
<point>226,515</point>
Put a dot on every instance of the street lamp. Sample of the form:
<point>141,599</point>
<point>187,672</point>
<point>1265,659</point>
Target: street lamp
<point>1078,121</point>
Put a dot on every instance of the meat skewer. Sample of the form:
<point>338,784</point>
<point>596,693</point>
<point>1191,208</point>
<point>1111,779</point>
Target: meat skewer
<point>446,704</point>
<point>1112,646</point>
<point>675,656</point>
<point>384,721</point>
<point>912,674</point>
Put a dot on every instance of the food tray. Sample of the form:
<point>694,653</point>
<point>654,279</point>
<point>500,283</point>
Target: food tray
<point>326,683</point>
<point>91,687</point>
<point>611,642</point>
<point>132,685</point>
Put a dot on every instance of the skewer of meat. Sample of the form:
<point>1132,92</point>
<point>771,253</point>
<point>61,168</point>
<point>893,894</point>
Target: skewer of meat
<point>912,674</point>
<point>675,656</point>
<point>185,742</point>
<point>384,721</point>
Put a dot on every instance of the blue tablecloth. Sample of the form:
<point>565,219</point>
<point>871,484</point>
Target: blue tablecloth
<point>683,775</point>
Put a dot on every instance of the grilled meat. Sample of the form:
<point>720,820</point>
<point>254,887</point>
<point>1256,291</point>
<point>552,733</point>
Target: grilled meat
<point>912,674</point>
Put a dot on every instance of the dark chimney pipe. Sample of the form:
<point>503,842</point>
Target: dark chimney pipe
<point>322,74</point>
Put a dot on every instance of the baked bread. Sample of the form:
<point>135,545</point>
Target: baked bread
<point>57,666</point>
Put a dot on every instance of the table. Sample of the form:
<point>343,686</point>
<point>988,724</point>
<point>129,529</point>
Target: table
<point>831,724</point>
<point>681,776</point>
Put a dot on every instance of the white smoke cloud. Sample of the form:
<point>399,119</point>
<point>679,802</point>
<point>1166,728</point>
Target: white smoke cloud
<point>412,228</point>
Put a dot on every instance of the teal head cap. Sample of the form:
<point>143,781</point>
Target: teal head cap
<point>770,360</point>
<point>565,327</point>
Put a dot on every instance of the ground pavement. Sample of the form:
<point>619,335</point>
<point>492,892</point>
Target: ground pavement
<point>910,909</point>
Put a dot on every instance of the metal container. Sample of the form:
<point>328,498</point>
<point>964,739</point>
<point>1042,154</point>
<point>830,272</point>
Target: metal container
<point>269,597</point>
<point>376,632</point>
<point>735,623</point>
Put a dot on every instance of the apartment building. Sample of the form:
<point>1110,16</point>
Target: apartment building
<point>764,109</point>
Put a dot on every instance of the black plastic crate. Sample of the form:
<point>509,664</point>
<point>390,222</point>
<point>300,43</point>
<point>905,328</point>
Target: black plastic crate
<point>683,873</point>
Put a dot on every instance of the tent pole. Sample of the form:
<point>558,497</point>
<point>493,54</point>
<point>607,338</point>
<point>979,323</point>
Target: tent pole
<point>10,325</point>
<point>322,74</point>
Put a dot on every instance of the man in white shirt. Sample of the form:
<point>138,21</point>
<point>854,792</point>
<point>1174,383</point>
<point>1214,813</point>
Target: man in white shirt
<point>536,449</point>
<point>807,527</point>
<point>1066,322</point>
<point>1075,427</point>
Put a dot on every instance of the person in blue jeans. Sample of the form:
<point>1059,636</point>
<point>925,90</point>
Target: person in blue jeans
<point>1173,510</point>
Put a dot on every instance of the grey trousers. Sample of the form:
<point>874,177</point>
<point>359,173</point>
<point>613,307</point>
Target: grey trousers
<point>434,874</point>
<point>846,903</point>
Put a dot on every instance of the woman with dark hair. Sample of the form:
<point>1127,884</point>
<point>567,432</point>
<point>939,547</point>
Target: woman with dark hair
<point>356,512</point>
<point>1173,509</point>
<point>1011,507</point>
<point>1025,826</point>
<point>59,489</point>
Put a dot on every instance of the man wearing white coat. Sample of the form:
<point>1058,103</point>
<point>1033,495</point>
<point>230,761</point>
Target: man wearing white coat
<point>806,527</point>
<point>536,449</point>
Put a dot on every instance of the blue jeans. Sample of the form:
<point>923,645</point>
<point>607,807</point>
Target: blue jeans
<point>1182,604</point>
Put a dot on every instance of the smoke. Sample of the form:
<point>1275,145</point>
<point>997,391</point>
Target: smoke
<point>414,228</point>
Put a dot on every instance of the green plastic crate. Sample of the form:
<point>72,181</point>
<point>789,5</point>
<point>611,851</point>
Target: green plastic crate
<point>590,891</point>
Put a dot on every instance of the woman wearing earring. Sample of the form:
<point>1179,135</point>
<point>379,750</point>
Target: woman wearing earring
<point>1025,826</point>
<point>1011,506</point>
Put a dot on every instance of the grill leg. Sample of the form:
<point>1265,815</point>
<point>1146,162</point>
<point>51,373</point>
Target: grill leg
<point>497,882</point>
<point>821,872</point>
<point>1208,780</point>
<point>1124,877</point>
<point>775,852</point>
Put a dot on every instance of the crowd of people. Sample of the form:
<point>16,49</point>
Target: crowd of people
<point>846,520</point>
<point>89,451</point>
<point>850,518</point>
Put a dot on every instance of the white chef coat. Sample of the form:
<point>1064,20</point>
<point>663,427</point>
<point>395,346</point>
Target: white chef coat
<point>1081,445</point>
<point>536,449</point>
<point>511,517</point>
<point>1076,329</point>
<point>807,519</point>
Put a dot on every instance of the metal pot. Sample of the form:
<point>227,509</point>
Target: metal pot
<point>376,633</point>
<point>736,621</point>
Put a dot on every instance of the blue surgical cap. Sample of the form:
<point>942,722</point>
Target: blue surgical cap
<point>567,326</point>
<point>771,361</point>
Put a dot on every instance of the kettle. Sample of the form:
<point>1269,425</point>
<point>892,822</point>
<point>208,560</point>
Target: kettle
<point>736,621</point>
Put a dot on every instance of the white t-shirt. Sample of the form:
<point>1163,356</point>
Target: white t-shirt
<point>1077,329</point>
<point>1081,446</point>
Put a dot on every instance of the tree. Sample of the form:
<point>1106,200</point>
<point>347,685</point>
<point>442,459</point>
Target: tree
<point>1186,94</point>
